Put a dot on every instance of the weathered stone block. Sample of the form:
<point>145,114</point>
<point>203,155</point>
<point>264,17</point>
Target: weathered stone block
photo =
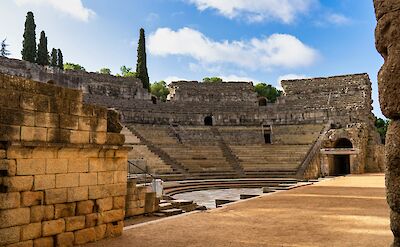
<point>46,120</point>
<point>33,134</point>
<point>85,236</point>
<point>28,243</point>
<point>55,196</point>
<point>100,231</point>
<point>9,200</point>
<point>53,227</point>
<point>104,204</point>
<point>31,166</point>
<point>120,176</point>
<point>134,211</point>
<point>74,223</point>
<point>9,235</point>
<point>79,137</point>
<point>44,153</point>
<point>65,239</point>
<point>65,210</point>
<point>43,242</point>
<point>88,179</point>
<point>67,180</point>
<point>54,166</point>
<point>114,230</point>
<point>98,137</point>
<point>78,165</point>
<point>41,213</point>
<point>119,202</point>
<point>103,191</point>
<point>69,122</point>
<point>31,231</point>
<point>96,165</point>
<point>68,153</point>
<point>105,177</point>
<point>84,207</point>
<point>19,153</point>
<point>18,183</point>
<point>10,132</point>
<point>30,198</point>
<point>78,194</point>
<point>10,166</point>
<point>44,182</point>
<point>14,217</point>
<point>111,216</point>
<point>115,139</point>
<point>92,219</point>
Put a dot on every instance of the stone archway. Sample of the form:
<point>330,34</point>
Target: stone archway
<point>341,162</point>
<point>262,102</point>
<point>208,121</point>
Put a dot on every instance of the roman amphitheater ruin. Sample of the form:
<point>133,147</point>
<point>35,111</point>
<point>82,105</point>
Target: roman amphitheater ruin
<point>65,177</point>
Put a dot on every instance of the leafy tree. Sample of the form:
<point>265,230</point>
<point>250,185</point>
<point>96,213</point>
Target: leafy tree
<point>160,90</point>
<point>53,58</point>
<point>267,91</point>
<point>29,43</point>
<point>73,66</point>
<point>382,126</point>
<point>141,65</point>
<point>60,59</point>
<point>3,50</point>
<point>105,71</point>
<point>42,52</point>
<point>126,72</point>
<point>212,80</point>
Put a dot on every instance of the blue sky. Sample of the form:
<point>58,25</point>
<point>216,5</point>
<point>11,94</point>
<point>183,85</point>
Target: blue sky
<point>257,40</point>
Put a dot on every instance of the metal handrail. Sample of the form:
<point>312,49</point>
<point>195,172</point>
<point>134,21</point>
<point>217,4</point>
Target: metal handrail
<point>145,172</point>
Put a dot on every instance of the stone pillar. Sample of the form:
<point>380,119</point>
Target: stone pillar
<point>387,36</point>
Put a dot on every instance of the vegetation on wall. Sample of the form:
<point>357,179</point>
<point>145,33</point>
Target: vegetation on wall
<point>29,42</point>
<point>105,71</point>
<point>267,91</point>
<point>3,49</point>
<point>212,80</point>
<point>141,65</point>
<point>382,126</point>
<point>126,72</point>
<point>73,66</point>
<point>42,51</point>
<point>160,90</point>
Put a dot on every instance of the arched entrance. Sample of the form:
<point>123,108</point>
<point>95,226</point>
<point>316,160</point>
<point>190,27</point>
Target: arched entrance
<point>341,162</point>
<point>262,102</point>
<point>208,121</point>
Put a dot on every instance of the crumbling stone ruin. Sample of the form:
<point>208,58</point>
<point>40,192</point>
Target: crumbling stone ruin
<point>63,175</point>
<point>387,43</point>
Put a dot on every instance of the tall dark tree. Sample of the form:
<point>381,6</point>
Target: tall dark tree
<point>3,49</point>
<point>29,43</point>
<point>141,65</point>
<point>60,61</point>
<point>42,52</point>
<point>54,58</point>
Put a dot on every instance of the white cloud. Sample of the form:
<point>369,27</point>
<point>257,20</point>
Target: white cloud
<point>236,78</point>
<point>73,8</point>
<point>170,79</point>
<point>257,10</point>
<point>338,19</point>
<point>289,77</point>
<point>277,50</point>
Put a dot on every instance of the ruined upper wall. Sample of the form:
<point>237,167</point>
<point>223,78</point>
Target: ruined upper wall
<point>107,86</point>
<point>43,113</point>
<point>347,95</point>
<point>239,93</point>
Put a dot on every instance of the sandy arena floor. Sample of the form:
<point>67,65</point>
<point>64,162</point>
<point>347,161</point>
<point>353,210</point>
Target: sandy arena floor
<point>347,211</point>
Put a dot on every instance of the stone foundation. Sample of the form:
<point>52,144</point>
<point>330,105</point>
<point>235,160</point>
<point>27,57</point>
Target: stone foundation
<point>62,175</point>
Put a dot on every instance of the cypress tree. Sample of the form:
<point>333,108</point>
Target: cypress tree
<point>42,52</point>
<point>60,61</point>
<point>29,43</point>
<point>141,67</point>
<point>54,58</point>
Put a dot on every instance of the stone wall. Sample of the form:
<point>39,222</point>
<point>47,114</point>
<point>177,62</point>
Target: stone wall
<point>106,87</point>
<point>62,173</point>
<point>388,45</point>
<point>140,200</point>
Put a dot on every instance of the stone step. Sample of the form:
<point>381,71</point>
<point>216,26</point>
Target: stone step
<point>245,196</point>
<point>166,206</point>
<point>171,212</point>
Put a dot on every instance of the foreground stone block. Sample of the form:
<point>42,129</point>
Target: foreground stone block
<point>31,231</point>
<point>85,236</point>
<point>9,235</point>
<point>43,242</point>
<point>65,239</point>
<point>14,217</point>
<point>53,227</point>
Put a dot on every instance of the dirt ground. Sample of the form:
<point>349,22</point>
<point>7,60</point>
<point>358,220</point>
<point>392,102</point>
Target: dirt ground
<point>347,211</point>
